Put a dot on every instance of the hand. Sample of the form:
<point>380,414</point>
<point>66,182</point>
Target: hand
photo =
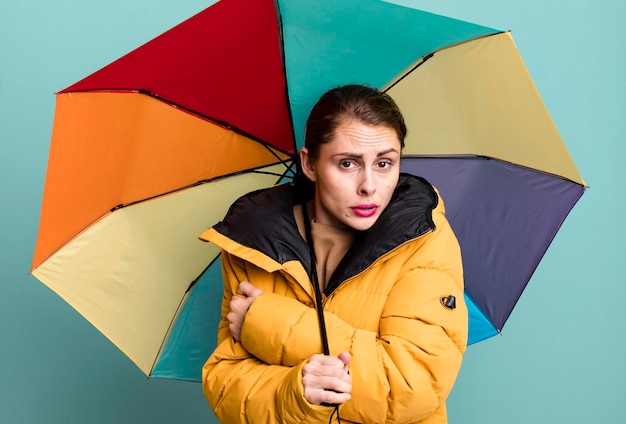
<point>239,305</point>
<point>326,379</point>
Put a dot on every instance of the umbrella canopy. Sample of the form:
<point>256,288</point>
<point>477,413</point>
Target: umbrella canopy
<point>151,150</point>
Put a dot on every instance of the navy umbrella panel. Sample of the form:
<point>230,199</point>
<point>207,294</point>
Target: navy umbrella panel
<point>505,217</point>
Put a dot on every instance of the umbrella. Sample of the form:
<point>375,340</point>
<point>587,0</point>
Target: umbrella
<point>149,151</point>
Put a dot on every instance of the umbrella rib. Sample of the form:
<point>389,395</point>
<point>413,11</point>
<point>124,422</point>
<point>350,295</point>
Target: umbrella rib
<point>281,44</point>
<point>180,307</point>
<point>429,56</point>
<point>175,317</point>
<point>205,181</point>
<point>208,180</point>
<point>410,70</point>
<point>218,122</point>
<point>484,157</point>
<point>195,281</point>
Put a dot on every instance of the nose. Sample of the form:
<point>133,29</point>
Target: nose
<point>367,186</point>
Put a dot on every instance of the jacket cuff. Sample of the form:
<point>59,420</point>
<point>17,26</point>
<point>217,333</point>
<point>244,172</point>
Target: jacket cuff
<point>291,403</point>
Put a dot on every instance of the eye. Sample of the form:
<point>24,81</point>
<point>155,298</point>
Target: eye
<point>346,164</point>
<point>384,164</point>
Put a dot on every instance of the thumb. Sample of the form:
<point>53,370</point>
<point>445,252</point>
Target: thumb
<point>345,357</point>
<point>247,289</point>
<point>244,288</point>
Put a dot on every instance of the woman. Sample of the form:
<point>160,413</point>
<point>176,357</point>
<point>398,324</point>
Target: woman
<point>388,265</point>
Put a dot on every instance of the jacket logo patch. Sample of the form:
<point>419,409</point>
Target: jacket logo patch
<point>449,302</point>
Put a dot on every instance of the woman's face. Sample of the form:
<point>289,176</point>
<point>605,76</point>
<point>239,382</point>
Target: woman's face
<point>355,174</point>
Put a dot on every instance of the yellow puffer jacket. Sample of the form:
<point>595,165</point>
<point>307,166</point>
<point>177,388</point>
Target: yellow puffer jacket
<point>385,304</point>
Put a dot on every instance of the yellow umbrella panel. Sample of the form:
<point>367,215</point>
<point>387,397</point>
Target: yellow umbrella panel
<point>477,98</point>
<point>118,231</point>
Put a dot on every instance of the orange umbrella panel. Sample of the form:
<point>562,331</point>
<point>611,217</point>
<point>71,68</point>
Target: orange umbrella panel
<point>116,148</point>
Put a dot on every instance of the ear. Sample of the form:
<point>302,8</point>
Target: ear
<point>308,167</point>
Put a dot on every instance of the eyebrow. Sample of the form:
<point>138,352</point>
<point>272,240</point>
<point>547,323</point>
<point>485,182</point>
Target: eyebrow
<point>360,155</point>
<point>384,152</point>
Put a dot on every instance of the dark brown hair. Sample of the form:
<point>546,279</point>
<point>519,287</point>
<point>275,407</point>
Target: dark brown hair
<point>359,102</point>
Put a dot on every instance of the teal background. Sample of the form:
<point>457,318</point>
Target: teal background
<point>560,358</point>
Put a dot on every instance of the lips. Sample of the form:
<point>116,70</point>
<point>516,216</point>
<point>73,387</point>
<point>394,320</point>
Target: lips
<point>365,211</point>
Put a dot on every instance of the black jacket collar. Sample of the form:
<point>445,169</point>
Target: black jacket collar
<point>264,221</point>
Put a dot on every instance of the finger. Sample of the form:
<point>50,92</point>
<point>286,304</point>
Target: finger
<point>332,378</point>
<point>241,288</point>
<point>338,384</point>
<point>330,397</point>
<point>247,289</point>
<point>345,357</point>
<point>233,318</point>
<point>327,360</point>
<point>240,305</point>
<point>315,359</point>
<point>340,374</point>
<point>235,331</point>
<point>236,303</point>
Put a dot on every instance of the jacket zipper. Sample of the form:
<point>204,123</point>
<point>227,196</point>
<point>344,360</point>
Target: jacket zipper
<point>326,299</point>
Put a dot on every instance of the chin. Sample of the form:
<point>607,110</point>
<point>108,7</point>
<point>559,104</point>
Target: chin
<point>361,224</point>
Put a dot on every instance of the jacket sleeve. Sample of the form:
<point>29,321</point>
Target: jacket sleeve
<point>405,371</point>
<point>240,387</point>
